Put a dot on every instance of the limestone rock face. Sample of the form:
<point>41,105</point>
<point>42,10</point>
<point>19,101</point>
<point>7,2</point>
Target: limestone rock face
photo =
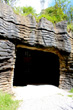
<point>61,27</point>
<point>19,30</point>
<point>7,60</point>
<point>26,30</point>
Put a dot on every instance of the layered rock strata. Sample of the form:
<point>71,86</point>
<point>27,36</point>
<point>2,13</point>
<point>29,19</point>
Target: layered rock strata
<point>16,31</point>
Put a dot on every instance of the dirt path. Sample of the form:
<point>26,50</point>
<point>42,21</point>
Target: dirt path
<point>43,97</point>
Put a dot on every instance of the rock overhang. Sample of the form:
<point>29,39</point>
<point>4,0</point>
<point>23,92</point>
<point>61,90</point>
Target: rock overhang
<point>28,31</point>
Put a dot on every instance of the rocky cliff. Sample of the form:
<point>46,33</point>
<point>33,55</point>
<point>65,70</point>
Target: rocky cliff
<point>28,31</point>
<point>19,30</point>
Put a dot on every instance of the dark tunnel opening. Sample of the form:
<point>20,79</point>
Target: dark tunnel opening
<point>35,67</point>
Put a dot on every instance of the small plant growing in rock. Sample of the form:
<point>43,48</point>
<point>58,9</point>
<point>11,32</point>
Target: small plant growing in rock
<point>71,95</point>
<point>71,91</point>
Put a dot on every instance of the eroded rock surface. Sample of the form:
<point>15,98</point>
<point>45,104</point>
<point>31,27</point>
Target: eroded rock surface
<point>19,30</point>
<point>26,30</point>
<point>7,61</point>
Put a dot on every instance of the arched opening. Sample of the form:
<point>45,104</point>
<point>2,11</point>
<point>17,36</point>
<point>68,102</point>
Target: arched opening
<point>35,67</point>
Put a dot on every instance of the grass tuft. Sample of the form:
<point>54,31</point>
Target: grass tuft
<point>71,91</point>
<point>70,95</point>
<point>6,102</point>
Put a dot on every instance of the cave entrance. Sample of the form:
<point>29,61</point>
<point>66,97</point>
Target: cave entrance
<point>35,67</point>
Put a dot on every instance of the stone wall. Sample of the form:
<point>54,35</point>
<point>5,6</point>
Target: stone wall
<point>19,31</point>
<point>7,61</point>
<point>66,77</point>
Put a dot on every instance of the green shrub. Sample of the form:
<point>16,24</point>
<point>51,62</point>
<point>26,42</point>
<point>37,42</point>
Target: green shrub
<point>70,27</point>
<point>6,102</point>
<point>45,16</point>
<point>52,14</point>
<point>24,10</point>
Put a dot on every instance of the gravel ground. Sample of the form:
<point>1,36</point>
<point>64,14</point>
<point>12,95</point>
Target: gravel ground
<point>43,97</point>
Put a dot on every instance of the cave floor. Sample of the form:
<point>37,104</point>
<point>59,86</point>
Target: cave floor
<point>43,97</point>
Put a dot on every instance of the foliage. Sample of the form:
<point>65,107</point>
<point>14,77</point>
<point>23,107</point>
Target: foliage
<point>63,4</point>
<point>56,14</point>
<point>62,10</point>
<point>50,18</point>
<point>6,102</point>
<point>70,27</point>
<point>70,14</point>
<point>28,9</point>
<point>67,8</point>
<point>25,10</point>
<point>17,10</point>
<point>71,91</point>
<point>70,95</point>
<point>49,13</point>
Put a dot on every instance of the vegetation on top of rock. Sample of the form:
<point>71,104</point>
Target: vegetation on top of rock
<point>62,10</point>
<point>70,27</point>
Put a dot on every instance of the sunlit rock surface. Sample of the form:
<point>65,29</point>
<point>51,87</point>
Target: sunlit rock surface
<point>19,30</point>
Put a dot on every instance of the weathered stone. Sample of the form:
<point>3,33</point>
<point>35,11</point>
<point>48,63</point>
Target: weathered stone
<point>66,81</point>
<point>44,24</point>
<point>61,27</point>
<point>7,61</point>
<point>19,31</point>
<point>26,30</point>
